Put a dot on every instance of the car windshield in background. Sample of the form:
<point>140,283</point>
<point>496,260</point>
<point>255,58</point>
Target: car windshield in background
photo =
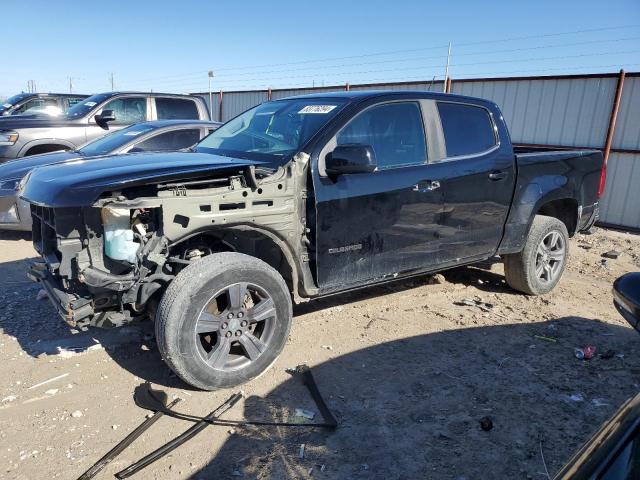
<point>277,129</point>
<point>80,109</point>
<point>113,141</point>
<point>11,101</point>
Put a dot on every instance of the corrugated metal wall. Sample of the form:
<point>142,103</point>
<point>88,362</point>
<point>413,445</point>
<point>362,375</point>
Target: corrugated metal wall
<point>569,111</point>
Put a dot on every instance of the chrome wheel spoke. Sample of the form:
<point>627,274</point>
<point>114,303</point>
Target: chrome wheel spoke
<point>252,345</point>
<point>220,353</point>
<point>263,310</point>
<point>540,270</point>
<point>548,272</point>
<point>208,323</point>
<point>557,255</point>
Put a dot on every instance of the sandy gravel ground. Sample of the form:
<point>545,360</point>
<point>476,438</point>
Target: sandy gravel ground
<point>408,372</point>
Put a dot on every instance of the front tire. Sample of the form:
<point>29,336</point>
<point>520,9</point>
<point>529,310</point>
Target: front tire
<point>223,320</point>
<point>538,267</point>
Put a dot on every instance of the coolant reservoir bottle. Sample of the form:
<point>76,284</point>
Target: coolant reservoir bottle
<point>118,236</point>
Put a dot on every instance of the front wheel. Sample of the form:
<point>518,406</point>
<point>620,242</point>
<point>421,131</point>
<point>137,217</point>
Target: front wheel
<point>538,267</point>
<point>223,320</point>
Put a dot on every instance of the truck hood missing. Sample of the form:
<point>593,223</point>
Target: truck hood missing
<point>81,182</point>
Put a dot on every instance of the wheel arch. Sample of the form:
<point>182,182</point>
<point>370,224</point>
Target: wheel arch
<point>46,145</point>
<point>256,242</point>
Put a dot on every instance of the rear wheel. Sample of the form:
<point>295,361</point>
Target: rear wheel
<point>538,267</point>
<point>223,320</point>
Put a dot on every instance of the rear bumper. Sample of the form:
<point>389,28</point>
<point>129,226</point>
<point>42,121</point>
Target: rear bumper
<point>71,309</point>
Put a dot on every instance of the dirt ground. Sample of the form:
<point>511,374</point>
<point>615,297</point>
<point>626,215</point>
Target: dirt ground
<point>407,370</point>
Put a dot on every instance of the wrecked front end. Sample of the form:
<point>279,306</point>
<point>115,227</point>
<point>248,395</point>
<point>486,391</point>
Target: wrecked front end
<point>107,264</point>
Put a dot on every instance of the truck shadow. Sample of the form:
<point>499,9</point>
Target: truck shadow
<point>411,408</point>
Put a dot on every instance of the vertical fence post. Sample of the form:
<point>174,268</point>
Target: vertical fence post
<point>269,94</point>
<point>447,86</point>
<point>347,87</point>
<point>614,116</point>
<point>220,107</point>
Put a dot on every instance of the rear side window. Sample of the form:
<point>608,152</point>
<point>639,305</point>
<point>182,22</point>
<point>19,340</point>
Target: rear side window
<point>176,109</point>
<point>394,130</point>
<point>468,130</point>
<point>174,140</point>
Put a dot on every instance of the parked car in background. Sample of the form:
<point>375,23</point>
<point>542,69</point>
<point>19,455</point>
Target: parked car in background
<point>40,103</point>
<point>92,118</point>
<point>300,198</point>
<point>157,136</point>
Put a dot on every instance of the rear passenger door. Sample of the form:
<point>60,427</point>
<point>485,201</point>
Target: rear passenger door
<point>478,183</point>
<point>373,225</point>
<point>170,108</point>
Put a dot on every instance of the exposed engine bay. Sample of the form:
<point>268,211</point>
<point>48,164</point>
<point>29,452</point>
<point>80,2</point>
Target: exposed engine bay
<point>107,264</point>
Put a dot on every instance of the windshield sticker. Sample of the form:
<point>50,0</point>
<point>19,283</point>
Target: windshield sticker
<point>90,104</point>
<point>6,105</point>
<point>134,133</point>
<point>317,109</point>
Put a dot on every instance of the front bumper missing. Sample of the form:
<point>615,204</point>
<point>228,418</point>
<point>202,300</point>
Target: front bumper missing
<point>74,311</point>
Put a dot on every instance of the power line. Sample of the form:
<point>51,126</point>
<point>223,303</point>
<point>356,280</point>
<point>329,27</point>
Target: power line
<point>393,52</point>
<point>378,62</point>
<point>422,67</point>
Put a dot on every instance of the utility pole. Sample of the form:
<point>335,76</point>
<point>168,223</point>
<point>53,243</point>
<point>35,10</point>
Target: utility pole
<point>446,69</point>
<point>111,80</point>
<point>210,74</point>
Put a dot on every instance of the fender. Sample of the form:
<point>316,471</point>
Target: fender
<point>45,141</point>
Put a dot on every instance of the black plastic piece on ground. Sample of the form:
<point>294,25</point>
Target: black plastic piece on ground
<point>179,440</point>
<point>128,440</point>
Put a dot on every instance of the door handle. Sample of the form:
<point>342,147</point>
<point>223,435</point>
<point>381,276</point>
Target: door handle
<point>497,175</point>
<point>426,186</point>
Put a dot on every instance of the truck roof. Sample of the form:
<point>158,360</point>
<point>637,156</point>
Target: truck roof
<point>358,95</point>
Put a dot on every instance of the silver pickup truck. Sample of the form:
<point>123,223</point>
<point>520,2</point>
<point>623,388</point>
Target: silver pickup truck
<point>92,118</point>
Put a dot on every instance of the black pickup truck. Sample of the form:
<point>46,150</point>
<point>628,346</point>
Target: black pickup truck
<point>295,199</point>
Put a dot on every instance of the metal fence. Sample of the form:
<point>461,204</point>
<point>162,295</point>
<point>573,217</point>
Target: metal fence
<point>557,111</point>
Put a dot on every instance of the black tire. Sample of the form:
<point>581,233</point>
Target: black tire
<point>527,270</point>
<point>187,305</point>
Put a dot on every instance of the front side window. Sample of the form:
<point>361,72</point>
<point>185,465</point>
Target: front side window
<point>168,141</point>
<point>394,130</point>
<point>176,109</point>
<point>128,110</point>
<point>85,106</point>
<point>467,129</point>
<point>273,130</point>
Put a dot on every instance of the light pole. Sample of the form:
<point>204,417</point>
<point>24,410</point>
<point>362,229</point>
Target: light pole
<point>210,73</point>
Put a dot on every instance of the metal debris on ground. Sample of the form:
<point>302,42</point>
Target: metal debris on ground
<point>612,254</point>
<point>475,302</point>
<point>301,451</point>
<point>585,353</point>
<point>486,423</point>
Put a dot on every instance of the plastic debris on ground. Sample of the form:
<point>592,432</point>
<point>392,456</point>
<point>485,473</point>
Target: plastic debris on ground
<point>585,353</point>
<point>301,412</point>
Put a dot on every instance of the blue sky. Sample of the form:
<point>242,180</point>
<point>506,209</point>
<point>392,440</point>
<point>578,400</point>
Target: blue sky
<point>169,46</point>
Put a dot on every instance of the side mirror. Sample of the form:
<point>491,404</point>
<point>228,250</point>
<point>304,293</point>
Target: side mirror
<point>626,297</point>
<point>105,117</point>
<point>351,159</point>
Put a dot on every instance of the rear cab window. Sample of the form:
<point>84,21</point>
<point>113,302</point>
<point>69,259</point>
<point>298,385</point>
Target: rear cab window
<point>468,129</point>
<point>176,109</point>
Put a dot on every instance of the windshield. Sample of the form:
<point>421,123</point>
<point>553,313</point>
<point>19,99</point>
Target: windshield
<point>80,109</point>
<point>273,129</point>
<point>11,101</point>
<point>113,141</point>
